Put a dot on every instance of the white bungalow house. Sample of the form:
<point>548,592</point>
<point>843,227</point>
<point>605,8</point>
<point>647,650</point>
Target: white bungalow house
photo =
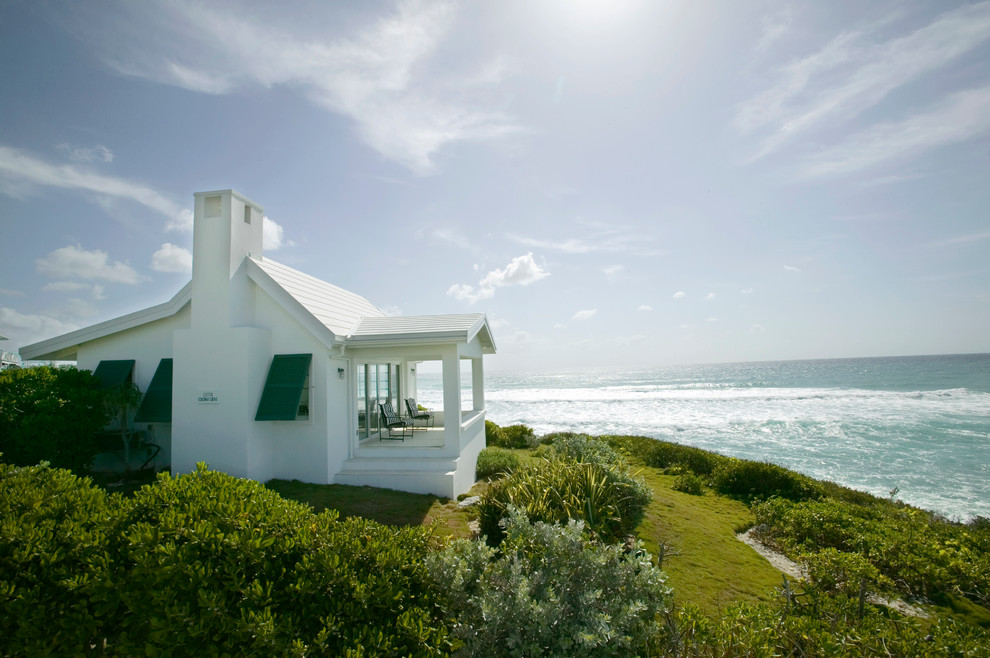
<point>265,372</point>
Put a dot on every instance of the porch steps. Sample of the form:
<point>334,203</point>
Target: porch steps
<point>417,475</point>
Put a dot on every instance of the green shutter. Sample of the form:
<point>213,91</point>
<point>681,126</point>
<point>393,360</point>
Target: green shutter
<point>156,407</point>
<point>114,373</point>
<point>284,387</point>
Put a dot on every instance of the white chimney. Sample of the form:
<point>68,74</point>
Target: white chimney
<point>227,228</point>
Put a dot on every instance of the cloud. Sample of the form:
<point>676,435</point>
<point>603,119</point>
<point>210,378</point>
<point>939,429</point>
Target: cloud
<point>559,325</point>
<point>963,239</point>
<point>585,314</point>
<point>21,172</point>
<point>12,293</point>
<point>26,329</point>
<point>379,76</point>
<point>74,261</point>
<point>172,258</point>
<point>98,153</point>
<point>521,271</point>
<point>852,73</point>
<point>791,268</point>
<point>273,236</point>
<point>712,319</point>
<point>644,307</point>
<point>961,117</point>
<point>680,294</point>
<point>746,291</point>
<point>464,292</point>
<point>710,296</point>
<point>757,329</point>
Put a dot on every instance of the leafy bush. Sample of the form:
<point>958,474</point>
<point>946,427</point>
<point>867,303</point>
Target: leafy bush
<point>803,625</point>
<point>689,483</point>
<point>52,543</point>
<point>742,477</point>
<point>519,436</point>
<point>553,593</point>
<point>835,572</point>
<point>494,436</point>
<point>609,500</point>
<point>51,414</point>
<point>582,448</point>
<point>921,554</point>
<point>495,461</point>
<point>553,437</point>
<point>204,564</point>
<point>513,436</point>
<point>664,454</point>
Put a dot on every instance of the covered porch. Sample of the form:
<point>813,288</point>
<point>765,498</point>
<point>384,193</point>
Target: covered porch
<point>438,457</point>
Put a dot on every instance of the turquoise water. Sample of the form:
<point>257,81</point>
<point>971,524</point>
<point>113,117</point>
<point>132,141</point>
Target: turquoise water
<point>917,424</point>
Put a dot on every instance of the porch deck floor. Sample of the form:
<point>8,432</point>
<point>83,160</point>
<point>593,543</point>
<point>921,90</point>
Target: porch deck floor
<point>430,437</point>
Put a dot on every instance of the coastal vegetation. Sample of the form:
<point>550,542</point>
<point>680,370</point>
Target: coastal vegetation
<point>613,545</point>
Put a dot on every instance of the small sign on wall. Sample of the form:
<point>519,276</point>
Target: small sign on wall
<point>208,397</point>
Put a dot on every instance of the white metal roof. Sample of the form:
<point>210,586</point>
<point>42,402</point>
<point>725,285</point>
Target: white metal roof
<point>337,309</point>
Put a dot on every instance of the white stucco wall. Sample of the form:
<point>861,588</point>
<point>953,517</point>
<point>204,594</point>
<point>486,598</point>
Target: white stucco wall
<point>147,344</point>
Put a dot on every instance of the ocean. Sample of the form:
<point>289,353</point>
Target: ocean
<point>920,424</point>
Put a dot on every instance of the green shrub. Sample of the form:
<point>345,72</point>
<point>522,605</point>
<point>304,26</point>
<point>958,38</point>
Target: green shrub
<point>921,554</point>
<point>51,414</point>
<point>835,572</point>
<point>212,564</point>
<point>553,593</point>
<point>519,436</point>
<point>52,543</point>
<point>689,483</point>
<point>513,436</point>
<point>583,448</point>
<point>204,564</point>
<point>494,436</point>
<point>664,454</point>
<point>610,501</point>
<point>553,437</point>
<point>495,461</point>
<point>742,477</point>
<point>817,626</point>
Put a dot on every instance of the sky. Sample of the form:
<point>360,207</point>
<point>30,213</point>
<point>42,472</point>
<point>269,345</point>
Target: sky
<point>616,183</point>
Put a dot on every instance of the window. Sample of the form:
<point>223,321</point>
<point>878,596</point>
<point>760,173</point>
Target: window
<point>377,383</point>
<point>247,214</point>
<point>156,407</point>
<point>286,393</point>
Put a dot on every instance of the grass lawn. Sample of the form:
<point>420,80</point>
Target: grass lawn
<point>385,506</point>
<point>705,563</point>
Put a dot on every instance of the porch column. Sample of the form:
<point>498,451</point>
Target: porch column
<point>478,383</point>
<point>451,399</point>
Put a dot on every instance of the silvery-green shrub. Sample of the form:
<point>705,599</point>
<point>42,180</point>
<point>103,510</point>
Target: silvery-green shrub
<point>549,591</point>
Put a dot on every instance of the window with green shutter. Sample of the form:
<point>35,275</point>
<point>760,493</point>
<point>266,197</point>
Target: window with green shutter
<point>156,407</point>
<point>285,396</point>
<point>114,373</point>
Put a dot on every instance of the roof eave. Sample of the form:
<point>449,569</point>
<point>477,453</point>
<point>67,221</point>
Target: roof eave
<point>65,347</point>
